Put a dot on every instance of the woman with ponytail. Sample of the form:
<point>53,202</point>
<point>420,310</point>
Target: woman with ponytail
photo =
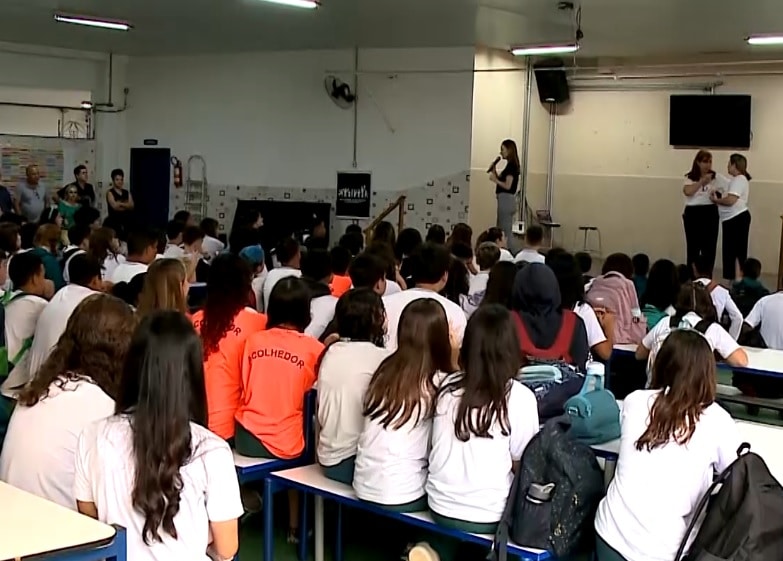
<point>734,216</point>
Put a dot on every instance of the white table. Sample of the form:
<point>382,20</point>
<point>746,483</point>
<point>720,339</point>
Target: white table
<point>30,526</point>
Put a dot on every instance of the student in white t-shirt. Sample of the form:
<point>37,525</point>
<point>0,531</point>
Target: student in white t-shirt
<point>734,215</point>
<point>163,379</point>
<point>79,242</point>
<point>498,237</point>
<point>76,386</point>
<point>430,264</point>
<point>487,255</point>
<point>721,298</point>
<point>317,273</point>
<point>483,421</point>
<point>142,250</point>
<point>23,306</point>
<point>174,230</point>
<point>345,372</point>
<point>767,314</point>
<point>289,254</point>
<point>394,281</point>
<point>105,247</point>
<point>675,437</point>
<point>534,238</point>
<point>693,310</point>
<point>367,271</point>
<point>393,447</point>
<point>211,245</point>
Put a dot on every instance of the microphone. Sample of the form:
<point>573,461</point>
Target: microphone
<point>493,164</point>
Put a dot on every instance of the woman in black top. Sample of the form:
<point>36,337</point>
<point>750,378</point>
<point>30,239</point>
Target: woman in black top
<point>506,184</point>
<point>120,204</point>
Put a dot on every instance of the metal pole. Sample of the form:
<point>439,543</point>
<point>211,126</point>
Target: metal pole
<point>355,163</point>
<point>550,179</point>
<point>525,142</point>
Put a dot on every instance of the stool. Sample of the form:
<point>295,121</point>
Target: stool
<point>544,219</point>
<point>586,246</point>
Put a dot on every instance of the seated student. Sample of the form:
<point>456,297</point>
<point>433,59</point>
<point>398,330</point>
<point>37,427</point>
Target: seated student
<point>78,242</point>
<point>224,324</point>
<point>618,263</point>
<point>85,281</point>
<point>341,260</point>
<point>460,234</point>
<point>75,386</point>
<point>165,288</point>
<point>693,307</point>
<point>747,289</point>
<point>384,233</point>
<point>536,300</point>
<point>457,287</point>
<point>498,237</point>
<point>23,306</point>
<point>436,234</point>
<point>702,271</point>
<point>407,242</point>
<point>317,274</point>
<point>318,238</point>
<point>368,271</point>
<point>684,273</point>
<point>344,374</point>
<point>289,254</point>
<point>767,316</point>
<point>599,327</point>
<point>46,242</point>
<point>211,245</point>
<point>394,281</point>
<point>67,206</point>
<point>675,437</point>
<point>352,241</point>
<point>430,273</point>
<point>88,216</point>
<point>185,218</point>
<point>487,255</point>
<point>500,284</point>
<point>105,247</point>
<point>27,233</point>
<point>188,507</point>
<point>483,421</point>
<point>585,262</point>
<point>641,268</point>
<point>534,238</point>
<point>661,292</point>
<point>192,240</point>
<point>174,231</point>
<point>254,256</point>
<point>391,456</point>
<point>142,250</point>
<point>278,369</point>
<point>464,253</point>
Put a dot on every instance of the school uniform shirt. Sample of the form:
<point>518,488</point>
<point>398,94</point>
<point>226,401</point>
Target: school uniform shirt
<point>471,480</point>
<point>223,369</point>
<point>173,251</point>
<point>278,368</point>
<point>724,302</point>
<point>346,371</point>
<point>768,312</point>
<point>321,314</point>
<point>740,187</point>
<point>595,333</point>
<point>391,465</point>
<point>21,319</point>
<point>274,276</point>
<point>40,446</point>
<point>506,255</point>
<point>68,254</point>
<point>396,303</point>
<point>392,287</point>
<point>478,283</point>
<point>718,338</point>
<point>105,473</point>
<point>52,321</point>
<point>126,271</point>
<point>212,247</point>
<point>653,495</point>
<point>529,256</point>
<point>110,265</point>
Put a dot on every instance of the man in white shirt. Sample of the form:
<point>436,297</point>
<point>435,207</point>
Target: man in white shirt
<point>211,245</point>
<point>317,273</point>
<point>487,255</point>
<point>142,249</point>
<point>534,237</point>
<point>174,230</point>
<point>289,255</point>
<point>85,280</point>
<point>430,273</point>
<point>79,238</point>
<point>720,296</point>
<point>368,271</point>
<point>768,314</point>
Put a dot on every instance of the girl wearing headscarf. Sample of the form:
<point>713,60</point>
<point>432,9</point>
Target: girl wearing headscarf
<point>536,299</point>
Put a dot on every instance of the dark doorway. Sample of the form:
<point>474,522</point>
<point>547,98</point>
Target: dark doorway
<point>150,182</point>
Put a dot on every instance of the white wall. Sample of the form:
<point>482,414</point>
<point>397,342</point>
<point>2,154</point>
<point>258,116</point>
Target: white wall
<point>265,119</point>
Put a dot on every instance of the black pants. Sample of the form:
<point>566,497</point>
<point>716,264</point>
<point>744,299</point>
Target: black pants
<point>735,243</point>
<point>701,224</point>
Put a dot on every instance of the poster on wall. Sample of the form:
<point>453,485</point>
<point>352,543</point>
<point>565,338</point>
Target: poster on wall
<point>354,194</point>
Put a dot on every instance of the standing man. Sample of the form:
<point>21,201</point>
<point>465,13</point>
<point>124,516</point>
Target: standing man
<point>31,194</point>
<point>85,190</point>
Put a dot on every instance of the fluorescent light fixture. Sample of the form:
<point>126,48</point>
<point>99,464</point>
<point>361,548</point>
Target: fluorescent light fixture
<point>93,22</point>
<point>545,49</point>
<point>307,4</point>
<point>87,105</point>
<point>765,40</point>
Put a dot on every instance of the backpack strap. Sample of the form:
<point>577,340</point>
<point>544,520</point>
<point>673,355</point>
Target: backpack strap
<point>525,342</point>
<point>712,286</point>
<point>499,551</point>
<point>703,326</point>
<point>26,346</point>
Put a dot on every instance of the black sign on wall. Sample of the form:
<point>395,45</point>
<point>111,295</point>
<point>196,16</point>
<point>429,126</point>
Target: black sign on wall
<point>354,194</point>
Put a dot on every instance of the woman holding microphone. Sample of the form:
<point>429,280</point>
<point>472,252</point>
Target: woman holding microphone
<point>506,184</point>
<point>732,204</point>
<point>700,217</point>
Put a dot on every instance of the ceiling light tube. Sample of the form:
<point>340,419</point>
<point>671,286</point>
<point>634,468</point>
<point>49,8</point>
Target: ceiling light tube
<point>764,40</point>
<point>555,49</point>
<point>93,22</point>
<point>307,4</point>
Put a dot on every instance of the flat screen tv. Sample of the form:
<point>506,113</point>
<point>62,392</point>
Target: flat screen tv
<point>710,121</point>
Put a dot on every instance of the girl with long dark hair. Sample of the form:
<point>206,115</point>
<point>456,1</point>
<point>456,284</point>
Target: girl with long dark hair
<point>483,421</point>
<point>105,247</point>
<point>663,285</point>
<point>734,215</point>
<point>675,437</point>
<point>343,376</point>
<point>391,458</point>
<point>506,183</point>
<point>189,503</point>
<point>700,217</point>
<point>224,324</point>
<point>76,386</point>
<point>500,284</point>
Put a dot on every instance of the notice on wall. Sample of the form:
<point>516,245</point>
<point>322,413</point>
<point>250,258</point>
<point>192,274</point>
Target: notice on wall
<point>354,194</point>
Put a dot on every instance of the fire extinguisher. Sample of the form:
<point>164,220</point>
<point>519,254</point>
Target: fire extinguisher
<point>177,171</point>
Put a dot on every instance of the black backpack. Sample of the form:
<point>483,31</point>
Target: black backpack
<point>744,520</point>
<point>554,497</point>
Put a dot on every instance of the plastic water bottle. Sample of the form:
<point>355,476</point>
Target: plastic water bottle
<point>596,371</point>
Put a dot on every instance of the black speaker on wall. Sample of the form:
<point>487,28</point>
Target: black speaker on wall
<point>551,81</point>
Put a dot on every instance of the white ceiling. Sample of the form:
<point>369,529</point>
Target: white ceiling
<point>613,28</point>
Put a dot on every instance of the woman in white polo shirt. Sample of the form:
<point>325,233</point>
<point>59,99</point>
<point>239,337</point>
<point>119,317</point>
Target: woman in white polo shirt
<point>734,215</point>
<point>674,437</point>
<point>700,217</point>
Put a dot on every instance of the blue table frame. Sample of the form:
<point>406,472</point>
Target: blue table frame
<point>721,365</point>
<point>115,550</point>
